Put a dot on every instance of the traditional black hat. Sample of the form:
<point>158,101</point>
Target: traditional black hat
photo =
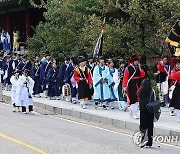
<point>47,53</point>
<point>74,60</point>
<point>90,56</point>
<point>121,61</point>
<point>101,58</point>
<point>24,56</point>
<point>82,59</point>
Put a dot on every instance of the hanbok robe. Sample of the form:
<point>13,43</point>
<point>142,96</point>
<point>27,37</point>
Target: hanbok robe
<point>62,74</point>
<point>1,68</point>
<point>44,69</point>
<point>35,74</point>
<point>14,82</point>
<point>68,79</point>
<point>24,91</point>
<point>175,101</point>
<point>101,91</point>
<point>84,91</point>
<point>91,67</point>
<point>118,85</point>
<point>113,95</point>
<point>132,80</point>
<point>52,78</point>
<point>25,65</point>
<point>8,71</point>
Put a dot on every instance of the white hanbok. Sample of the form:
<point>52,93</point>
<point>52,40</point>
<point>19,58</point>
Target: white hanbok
<point>14,82</point>
<point>24,91</point>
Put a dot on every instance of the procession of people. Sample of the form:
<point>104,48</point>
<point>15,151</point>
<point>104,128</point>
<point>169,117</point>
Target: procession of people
<point>87,79</point>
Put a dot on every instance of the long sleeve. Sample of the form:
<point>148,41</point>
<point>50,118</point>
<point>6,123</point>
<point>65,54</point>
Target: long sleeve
<point>175,75</point>
<point>125,78</point>
<point>160,67</point>
<point>76,75</point>
<point>142,73</point>
<point>90,82</point>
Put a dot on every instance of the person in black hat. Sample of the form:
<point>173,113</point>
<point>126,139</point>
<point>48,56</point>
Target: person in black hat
<point>113,96</point>
<point>52,78</point>
<point>44,69</point>
<point>101,77</point>
<point>82,75</point>
<point>118,78</point>
<point>69,78</point>
<point>62,71</point>
<point>24,64</point>
<point>132,79</point>
<point>1,76</point>
<point>14,79</point>
<point>1,67</point>
<point>24,92</point>
<point>8,71</point>
<point>35,74</point>
<point>90,63</point>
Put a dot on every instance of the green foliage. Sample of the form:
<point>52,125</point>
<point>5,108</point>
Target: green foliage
<point>132,26</point>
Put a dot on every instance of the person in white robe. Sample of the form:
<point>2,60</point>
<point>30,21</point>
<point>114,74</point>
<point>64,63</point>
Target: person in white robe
<point>14,81</point>
<point>24,92</point>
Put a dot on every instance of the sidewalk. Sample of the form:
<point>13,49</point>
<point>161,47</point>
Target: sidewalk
<point>167,125</point>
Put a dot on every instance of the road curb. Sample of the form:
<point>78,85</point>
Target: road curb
<point>99,119</point>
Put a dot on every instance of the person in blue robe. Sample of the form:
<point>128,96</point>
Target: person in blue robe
<point>25,64</point>
<point>35,75</point>
<point>1,65</point>
<point>8,71</point>
<point>68,78</point>
<point>52,78</point>
<point>58,93</point>
<point>111,84</point>
<point>101,77</point>
<point>44,69</point>
<point>62,72</point>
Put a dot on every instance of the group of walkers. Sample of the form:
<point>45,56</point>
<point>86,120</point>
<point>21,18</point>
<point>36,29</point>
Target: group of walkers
<point>99,81</point>
<point>128,84</point>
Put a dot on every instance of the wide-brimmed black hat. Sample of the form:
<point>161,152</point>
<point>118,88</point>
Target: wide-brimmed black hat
<point>24,56</point>
<point>82,59</point>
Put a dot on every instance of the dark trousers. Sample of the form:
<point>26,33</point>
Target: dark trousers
<point>24,108</point>
<point>147,123</point>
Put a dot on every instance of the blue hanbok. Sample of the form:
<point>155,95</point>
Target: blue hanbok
<point>24,65</point>
<point>67,79</point>
<point>35,75</point>
<point>8,71</point>
<point>52,78</point>
<point>44,69</point>
<point>111,86</point>
<point>62,74</point>
<point>101,91</point>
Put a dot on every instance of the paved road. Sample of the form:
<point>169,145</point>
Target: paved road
<point>29,134</point>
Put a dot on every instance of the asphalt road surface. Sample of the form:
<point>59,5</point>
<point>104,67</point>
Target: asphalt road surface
<point>33,134</point>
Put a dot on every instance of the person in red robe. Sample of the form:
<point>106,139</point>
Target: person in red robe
<point>132,79</point>
<point>82,75</point>
<point>175,101</point>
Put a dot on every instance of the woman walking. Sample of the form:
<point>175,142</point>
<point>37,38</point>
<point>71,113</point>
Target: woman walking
<point>146,94</point>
